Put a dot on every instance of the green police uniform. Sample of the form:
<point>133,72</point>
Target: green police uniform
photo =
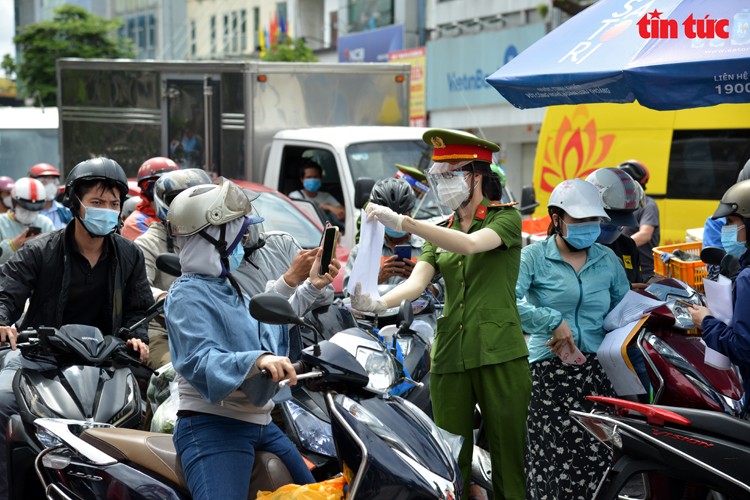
<point>480,355</point>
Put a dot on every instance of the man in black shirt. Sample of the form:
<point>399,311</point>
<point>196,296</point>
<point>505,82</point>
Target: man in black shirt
<point>84,273</point>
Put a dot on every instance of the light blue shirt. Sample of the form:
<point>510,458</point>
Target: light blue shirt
<point>213,340</point>
<point>10,228</point>
<point>549,291</point>
<point>58,214</point>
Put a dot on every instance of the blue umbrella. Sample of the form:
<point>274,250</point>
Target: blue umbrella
<point>667,54</point>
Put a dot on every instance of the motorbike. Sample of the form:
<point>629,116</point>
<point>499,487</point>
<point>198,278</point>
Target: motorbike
<point>386,446</point>
<point>699,454</point>
<point>683,384</point>
<point>82,375</point>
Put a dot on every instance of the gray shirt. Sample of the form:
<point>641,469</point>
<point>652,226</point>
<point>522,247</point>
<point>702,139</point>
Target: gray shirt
<point>321,197</point>
<point>648,215</point>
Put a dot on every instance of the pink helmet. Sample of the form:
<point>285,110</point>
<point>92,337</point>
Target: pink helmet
<point>6,183</point>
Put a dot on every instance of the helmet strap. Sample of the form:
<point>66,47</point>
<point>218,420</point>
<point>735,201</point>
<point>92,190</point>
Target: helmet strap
<point>220,244</point>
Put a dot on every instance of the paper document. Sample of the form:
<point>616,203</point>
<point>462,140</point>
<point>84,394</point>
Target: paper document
<point>367,264</point>
<point>631,308</point>
<point>719,299</point>
<point>612,355</point>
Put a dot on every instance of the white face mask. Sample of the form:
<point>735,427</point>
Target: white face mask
<point>50,190</point>
<point>8,202</point>
<point>453,191</point>
<point>25,217</point>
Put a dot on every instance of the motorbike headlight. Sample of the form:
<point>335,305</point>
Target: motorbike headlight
<point>314,434</point>
<point>34,400</point>
<point>379,367</point>
<point>47,439</point>
<point>132,403</point>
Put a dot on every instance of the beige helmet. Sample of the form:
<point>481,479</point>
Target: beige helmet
<point>736,201</point>
<point>206,205</point>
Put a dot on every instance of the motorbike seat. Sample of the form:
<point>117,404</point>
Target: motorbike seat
<point>717,423</point>
<point>155,452</point>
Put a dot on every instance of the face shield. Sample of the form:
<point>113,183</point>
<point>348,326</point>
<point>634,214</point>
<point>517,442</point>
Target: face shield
<point>451,185</point>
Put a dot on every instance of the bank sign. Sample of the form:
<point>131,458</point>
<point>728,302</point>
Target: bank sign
<point>457,66</point>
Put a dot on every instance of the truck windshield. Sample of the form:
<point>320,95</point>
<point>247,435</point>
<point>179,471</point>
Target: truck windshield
<point>378,160</point>
<point>19,149</point>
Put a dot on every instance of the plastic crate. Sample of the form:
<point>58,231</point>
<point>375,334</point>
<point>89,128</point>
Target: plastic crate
<point>691,273</point>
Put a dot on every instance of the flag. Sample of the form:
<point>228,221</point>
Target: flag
<point>261,42</point>
<point>282,24</point>
<point>273,30</point>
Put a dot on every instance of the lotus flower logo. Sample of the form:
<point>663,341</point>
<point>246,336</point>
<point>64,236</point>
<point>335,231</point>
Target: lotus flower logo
<point>576,150</point>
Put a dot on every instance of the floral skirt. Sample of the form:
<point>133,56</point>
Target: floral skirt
<point>564,461</point>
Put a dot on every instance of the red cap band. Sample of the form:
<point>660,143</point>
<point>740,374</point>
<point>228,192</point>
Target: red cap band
<point>458,152</point>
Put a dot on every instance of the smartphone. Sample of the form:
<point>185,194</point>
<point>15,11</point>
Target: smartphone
<point>330,237</point>
<point>34,230</point>
<point>403,252</point>
<point>571,356</point>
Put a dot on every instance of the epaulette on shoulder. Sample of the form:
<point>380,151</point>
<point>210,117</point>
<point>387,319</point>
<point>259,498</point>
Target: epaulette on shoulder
<point>497,204</point>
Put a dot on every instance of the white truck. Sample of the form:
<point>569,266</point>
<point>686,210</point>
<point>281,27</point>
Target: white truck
<point>245,120</point>
<point>28,135</point>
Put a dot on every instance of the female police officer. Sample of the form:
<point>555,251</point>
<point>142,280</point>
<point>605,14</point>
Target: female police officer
<point>479,355</point>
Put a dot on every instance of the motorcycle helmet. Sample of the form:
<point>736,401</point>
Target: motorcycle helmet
<point>43,170</point>
<point>619,195</point>
<point>577,198</point>
<point>151,170</point>
<point>736,201</point>
<point>395,194</point>
<point>636,170</point>
<point>197,207</point>
<point>92,170</point>
<point>28,193</point>
<point>172,183</point>
<point>6,183</point>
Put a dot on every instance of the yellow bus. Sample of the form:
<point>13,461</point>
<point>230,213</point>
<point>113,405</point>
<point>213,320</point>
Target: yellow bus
<point>692,155</point>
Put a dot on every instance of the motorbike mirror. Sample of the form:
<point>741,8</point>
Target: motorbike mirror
<point>362,188</point>
<point>168,263</point>
<point>713,255</point>
<point>405,316</point>
<point>273,309</point>
<point>730,266</point>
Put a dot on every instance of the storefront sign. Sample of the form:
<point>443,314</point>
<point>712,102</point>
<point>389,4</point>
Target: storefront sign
<point>417,105</point>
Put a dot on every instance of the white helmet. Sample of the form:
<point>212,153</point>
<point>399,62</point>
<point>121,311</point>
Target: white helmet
<point>578,198</point>
<point>619,194</point>
<point>209,204</point>
<point>29,193</point>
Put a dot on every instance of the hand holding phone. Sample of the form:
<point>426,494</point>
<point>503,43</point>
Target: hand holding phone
<point>330,237</point>
<point>33,231</point>
<point>402,252</point>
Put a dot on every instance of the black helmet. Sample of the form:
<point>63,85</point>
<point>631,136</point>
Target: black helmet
<point>395,194</point>
<point>636,170</point>
<point>91,170</point>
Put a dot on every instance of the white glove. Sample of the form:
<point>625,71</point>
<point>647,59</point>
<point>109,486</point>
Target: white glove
<point>364,302</point>
<point>385,216</point>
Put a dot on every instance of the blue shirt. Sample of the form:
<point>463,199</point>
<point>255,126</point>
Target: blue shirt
<point>734,341</point>
<point>549,291</point>
<point>58,214</point>
<point>213,340</point>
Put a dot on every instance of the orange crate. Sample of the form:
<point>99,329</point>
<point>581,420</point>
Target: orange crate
<point>691,273</point>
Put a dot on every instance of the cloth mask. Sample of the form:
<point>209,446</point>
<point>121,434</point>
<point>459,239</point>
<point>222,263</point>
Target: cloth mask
<point>609,233</point>
<point>235,259</point>
<point>583,234</point>
<point>392,233</point>
<point>100,221</point>
<point>312,185</point>
<point>453,191</point>
<point>25,217</point>
<point>50,190</point>
<point>8,201</point>
<point>729,240</point>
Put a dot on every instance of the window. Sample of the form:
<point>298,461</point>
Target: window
<point>705,163</point>
<point>235,33</point>
<point>243,30</point>
<point>193,43</point>
<point>226,33</point>
<point>142,33</point>
<point>256,26</point>
<point>151,43</point>
<point>213,35</point>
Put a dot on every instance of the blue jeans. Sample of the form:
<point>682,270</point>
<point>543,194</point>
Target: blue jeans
<point>217,454</point>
